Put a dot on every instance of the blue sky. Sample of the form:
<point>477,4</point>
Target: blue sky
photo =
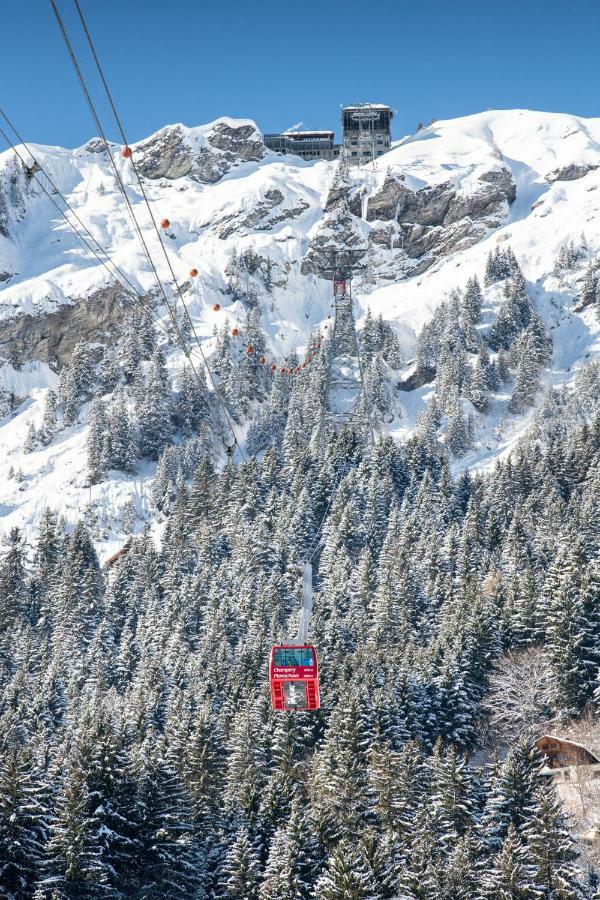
<point>286,62</point>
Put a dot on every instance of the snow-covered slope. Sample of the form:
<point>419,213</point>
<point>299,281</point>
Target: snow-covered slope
<point>429,212</point>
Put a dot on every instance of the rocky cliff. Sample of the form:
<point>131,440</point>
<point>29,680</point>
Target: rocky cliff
<point>434,195</point>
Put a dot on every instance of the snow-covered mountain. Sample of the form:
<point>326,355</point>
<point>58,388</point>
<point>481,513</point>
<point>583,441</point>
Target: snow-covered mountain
<point>429,212</point>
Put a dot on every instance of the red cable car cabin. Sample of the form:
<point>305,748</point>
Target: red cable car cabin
<point>294,677</point>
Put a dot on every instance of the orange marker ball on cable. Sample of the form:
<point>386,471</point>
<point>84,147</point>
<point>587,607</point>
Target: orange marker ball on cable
<point>250,349</point>
<point>234,332</point>
<point>262,360</point>
<point>193,272</point>
<point>216,307</point>
<point>126,152</point>
<point>165,223</point>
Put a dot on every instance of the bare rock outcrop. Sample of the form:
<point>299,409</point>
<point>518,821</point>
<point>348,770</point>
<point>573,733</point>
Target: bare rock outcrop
<point>172,153</point>
<point>419,225</point>
<point>441,204</point>
<point>438,219</point>
<point>572,172</point>
<point>266,213</point>
<point>53,336</point>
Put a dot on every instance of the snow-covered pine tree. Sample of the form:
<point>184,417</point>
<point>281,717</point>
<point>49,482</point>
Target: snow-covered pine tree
<point>458,437</point>
<point>514,314</point>
<point>154,423</point>
<point>479,387</point>
<point>240,873</point>
<point>121,447</point>
<point>24,818</point>
<point>551,849</point>
<point>192,407</point>
<point>347,875</point>
<point>49,418</point>
<point>31,439</point>
<point>97,442</point>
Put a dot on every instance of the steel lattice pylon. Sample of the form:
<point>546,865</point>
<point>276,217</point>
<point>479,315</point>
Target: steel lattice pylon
<point>345,388</point>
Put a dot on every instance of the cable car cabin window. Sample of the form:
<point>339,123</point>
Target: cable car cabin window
<point>293,656</point>
<point>294,693</point>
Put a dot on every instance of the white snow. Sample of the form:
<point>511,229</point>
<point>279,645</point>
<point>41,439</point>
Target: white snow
<point>51,268</point>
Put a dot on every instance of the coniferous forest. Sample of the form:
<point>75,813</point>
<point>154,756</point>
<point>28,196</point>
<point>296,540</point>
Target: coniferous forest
<point>139,754</point>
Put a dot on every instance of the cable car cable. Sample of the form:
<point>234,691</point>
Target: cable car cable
<point>135,291</point>
<point>56,191</point>
<point>147,203</point>
<point>140,183</point>
<point>140,235</point>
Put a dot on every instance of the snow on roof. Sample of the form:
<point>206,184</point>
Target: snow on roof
<point>368,106</point>
<point>566,740</point>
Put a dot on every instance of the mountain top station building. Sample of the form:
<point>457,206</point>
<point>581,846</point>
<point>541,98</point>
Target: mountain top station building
<point>366,135</point>
<point>366,131</point>
<point>307,144</point>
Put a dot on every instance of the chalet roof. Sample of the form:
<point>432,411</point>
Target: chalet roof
<point>108,563</point>
<point>566,740</point>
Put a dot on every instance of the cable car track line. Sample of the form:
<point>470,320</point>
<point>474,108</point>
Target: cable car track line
<point>152,219</point>
<point>103,262</point>
<point>135,292</point>
<point>73,212</point>
<point>138,231</point>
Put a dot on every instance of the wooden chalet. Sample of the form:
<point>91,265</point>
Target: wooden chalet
<point>561,752</point>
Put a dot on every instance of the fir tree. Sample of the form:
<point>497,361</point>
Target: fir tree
<point>24,817</point>
<point>120,444</point>
<point>480,382</point>
<point>49,418</point>
<point>509,876</point>
<point>97,442</point>
<point>551,850</point>
<point>347,876</point>
<point>75,867</point>
<point>154,413</point>
<point>239,877</point>
<point>31,439</point>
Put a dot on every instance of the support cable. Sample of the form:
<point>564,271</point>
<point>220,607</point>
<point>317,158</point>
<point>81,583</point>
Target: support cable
<point>115,272</point>
<point>89,241</point>
<point>55,190</point>
<point>139,232</point>
<point>146,201</point>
